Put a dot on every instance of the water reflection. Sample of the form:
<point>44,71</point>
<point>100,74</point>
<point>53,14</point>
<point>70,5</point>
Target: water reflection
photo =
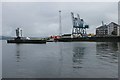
<point>78,53</point>
<point>107,51</point>
<point>60,59</point>
<point>17,53</point>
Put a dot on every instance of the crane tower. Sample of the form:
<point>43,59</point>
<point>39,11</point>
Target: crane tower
<point>79,27</point>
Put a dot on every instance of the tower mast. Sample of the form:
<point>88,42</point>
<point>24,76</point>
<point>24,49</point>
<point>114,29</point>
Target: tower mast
<point>60,27</point>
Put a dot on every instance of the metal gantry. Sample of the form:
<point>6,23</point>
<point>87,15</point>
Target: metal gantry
<point>79,27</point>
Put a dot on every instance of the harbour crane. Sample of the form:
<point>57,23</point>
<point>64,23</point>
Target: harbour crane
<point>79,27</point>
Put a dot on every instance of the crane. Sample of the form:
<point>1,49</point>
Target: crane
<point>78,26</point>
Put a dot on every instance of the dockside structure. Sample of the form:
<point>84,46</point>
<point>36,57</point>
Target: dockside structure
<point>112,29</point>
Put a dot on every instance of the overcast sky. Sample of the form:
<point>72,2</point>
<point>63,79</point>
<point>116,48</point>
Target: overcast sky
<point>42,19</point>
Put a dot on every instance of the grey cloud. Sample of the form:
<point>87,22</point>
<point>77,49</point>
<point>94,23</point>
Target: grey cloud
<point>42,19</point>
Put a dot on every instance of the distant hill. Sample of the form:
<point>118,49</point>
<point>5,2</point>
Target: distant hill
<point>6,37</point>
<point>9,37</point>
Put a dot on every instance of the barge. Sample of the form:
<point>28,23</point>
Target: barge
<point>19,39</point>
<point>27,41</point>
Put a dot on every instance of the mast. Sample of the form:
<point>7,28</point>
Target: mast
<point>60,26</point>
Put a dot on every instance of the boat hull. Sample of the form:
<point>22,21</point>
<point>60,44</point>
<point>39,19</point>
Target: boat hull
<point>27,41</point>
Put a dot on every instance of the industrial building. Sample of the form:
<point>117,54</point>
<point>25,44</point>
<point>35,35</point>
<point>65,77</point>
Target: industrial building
<point>118,31</point>
<point>112,29</point>
<point>102,31</point>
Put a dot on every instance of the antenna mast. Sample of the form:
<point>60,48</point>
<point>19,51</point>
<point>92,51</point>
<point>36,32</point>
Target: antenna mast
<point>60,27</point>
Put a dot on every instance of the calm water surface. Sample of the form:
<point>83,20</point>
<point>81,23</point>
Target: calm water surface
<point>61,59</point>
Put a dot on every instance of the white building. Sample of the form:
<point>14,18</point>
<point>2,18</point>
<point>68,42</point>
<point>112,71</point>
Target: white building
<point>102,31</point>
<point>113,29</point>
<point>118,34</point>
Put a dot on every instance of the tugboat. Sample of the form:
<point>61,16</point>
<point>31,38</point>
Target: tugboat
<point>19,39</point>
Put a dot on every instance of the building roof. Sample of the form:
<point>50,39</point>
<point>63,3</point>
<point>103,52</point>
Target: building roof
<point>105,26</point>
<point>114,23</point>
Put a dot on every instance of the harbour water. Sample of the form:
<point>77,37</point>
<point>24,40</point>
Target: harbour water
<point>60,60</point>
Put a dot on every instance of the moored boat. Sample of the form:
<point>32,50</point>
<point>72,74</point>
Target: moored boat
<point>20,39</point>
<point>27,41</point>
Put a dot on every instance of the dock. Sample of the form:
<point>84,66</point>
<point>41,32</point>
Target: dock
<point>90,39</point>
